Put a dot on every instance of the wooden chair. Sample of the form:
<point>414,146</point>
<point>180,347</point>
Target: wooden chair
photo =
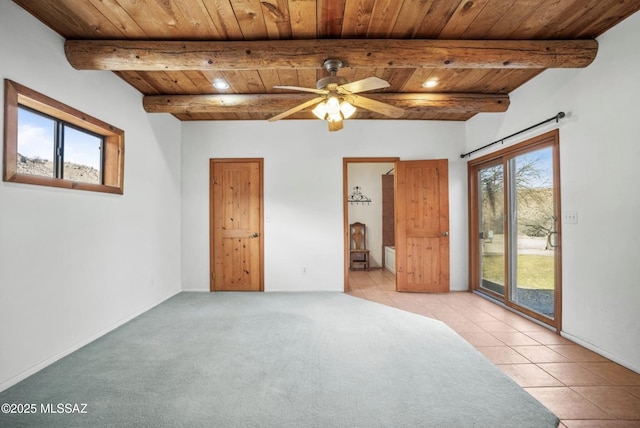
<point>358,253</point>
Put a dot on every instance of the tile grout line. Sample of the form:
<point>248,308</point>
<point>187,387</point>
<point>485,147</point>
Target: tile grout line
<point>456,309</point>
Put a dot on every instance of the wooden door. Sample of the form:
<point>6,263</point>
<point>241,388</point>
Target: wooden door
<point>236,225</point>
<point>422,233</point>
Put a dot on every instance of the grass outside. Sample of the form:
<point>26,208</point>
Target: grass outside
<point>534,271</point>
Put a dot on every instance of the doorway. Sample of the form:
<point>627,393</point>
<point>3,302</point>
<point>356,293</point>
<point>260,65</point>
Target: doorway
<point>515,231</point>
<point>368,175</point>
<point>421,223</point>
<point>236,224</point>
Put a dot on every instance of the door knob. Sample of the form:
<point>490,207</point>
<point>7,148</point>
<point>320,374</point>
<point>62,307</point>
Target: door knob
<point>255,235</point>
<point>445,233</point>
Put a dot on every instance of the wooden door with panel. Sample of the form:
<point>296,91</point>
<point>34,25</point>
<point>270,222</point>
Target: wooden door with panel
<point>236,225</point>
<point>422,232</point>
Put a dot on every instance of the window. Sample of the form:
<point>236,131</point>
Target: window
<point>51,144</point>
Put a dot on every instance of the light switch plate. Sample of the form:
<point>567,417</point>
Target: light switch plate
<point>570,217</point>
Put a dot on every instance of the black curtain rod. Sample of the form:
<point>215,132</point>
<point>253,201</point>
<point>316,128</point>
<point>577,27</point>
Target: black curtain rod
<point>557,117</point>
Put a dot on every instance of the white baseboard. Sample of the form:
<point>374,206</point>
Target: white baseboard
<point>599,351</point>
<point>32,370</point>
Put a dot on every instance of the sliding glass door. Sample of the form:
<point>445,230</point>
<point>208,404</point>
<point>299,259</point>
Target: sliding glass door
<point>515,232</point>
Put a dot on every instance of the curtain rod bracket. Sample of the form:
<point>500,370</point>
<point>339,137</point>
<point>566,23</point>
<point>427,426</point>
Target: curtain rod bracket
<point>557,118</point>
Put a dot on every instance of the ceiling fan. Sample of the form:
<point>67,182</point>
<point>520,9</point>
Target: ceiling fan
<point>337,97</point>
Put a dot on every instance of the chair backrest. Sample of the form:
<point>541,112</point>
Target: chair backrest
<point>357,232</point>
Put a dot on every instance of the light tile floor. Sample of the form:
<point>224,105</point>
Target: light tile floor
<point>584,389</point>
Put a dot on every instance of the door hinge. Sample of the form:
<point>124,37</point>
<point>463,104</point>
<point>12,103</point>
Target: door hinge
<point>213,276</point>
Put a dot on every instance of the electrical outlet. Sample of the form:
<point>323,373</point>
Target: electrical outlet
<point>570,217</point>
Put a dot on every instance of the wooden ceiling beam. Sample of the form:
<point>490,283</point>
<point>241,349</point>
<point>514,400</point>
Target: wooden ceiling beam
<point>120,55</point>
<point>276,103</point>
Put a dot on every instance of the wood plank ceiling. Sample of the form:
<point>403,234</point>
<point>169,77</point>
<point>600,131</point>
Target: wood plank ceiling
<point>173,51</point>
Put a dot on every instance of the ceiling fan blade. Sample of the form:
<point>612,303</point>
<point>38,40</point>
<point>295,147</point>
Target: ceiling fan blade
<point>368,84</point>
<point>300,88</point>
<point>296,109</point>
<point>376,106</point>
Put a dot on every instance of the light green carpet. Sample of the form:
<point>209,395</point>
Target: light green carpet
<point>277,360</point>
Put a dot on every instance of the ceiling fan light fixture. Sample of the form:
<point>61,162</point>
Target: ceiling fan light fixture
<point>333,110</point>
<point>347,109</point>
<point>334,117</point>
<point>320,111</point>
<point>333,106</point>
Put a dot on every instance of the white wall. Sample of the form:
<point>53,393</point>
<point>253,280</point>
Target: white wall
<point>75,264</point>
<point>368,176</point>
<point>303,191</point>
<point>599,154</point>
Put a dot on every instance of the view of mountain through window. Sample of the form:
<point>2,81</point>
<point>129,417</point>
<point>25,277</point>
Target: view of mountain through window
<point>55,149</point>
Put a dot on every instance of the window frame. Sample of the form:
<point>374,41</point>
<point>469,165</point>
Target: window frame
<point>17,95</point>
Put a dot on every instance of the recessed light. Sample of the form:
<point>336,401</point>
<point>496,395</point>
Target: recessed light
<point>220,84</point>
<point>430,83</point>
